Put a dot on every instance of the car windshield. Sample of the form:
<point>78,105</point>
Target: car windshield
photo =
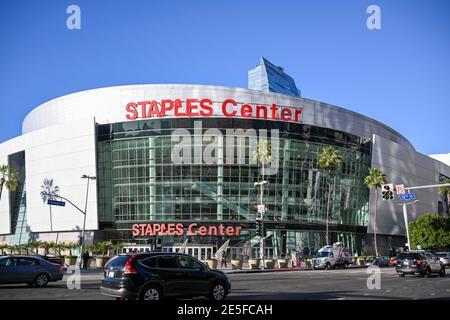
<point>442,255</point>
<point>322,254</point>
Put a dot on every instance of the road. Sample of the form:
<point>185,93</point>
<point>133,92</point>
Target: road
<point>295,285</point>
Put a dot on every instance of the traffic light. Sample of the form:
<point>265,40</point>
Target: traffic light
<point>387,191</point>
<point>259,228</point>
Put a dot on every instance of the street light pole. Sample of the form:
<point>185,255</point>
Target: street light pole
<point>261,242</point>
<point>84,176</point>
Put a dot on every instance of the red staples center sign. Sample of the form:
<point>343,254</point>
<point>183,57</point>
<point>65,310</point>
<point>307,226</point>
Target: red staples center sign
<point>204,108</point>
<point>177,229</point>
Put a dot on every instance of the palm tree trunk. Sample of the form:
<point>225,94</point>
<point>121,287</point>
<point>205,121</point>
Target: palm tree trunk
<point>375,224</point>
<point>328,213</point>
<point>1,189</point>
<point>448,202</point>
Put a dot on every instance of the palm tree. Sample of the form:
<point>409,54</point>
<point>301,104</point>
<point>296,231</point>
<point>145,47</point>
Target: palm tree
<point>48,192</point>
<point>35,246</point>
<point>263,153</point>
<point>329,159</point>
<point>8,177</point>
<point>445,191</point>
<point>3,248</point>
<point>375,179</point>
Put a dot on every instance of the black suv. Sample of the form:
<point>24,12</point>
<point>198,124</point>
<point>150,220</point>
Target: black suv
<point>154,275</point>
<point>419,262</point>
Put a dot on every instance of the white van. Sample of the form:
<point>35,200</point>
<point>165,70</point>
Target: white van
<point>330,257</point>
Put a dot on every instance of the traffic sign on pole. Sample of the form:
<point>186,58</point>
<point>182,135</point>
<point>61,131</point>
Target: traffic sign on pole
<point>407,196</point>
<point>400,189</point>
<point>261,208</point>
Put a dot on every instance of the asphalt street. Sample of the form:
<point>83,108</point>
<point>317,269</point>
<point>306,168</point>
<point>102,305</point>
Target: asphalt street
<point>294,285</point>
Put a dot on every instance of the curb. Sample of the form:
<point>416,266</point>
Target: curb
<point>267,270</point>
<point>278,270</point>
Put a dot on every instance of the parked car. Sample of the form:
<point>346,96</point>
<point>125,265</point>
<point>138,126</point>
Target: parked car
<point>419,262</point>
<point>393,262</point>
<point>51,259</point>
<point>444,257</point>
<point>330,257</point>
<point>156,275</point>
<point>29,270</point>
<point>377,261</point>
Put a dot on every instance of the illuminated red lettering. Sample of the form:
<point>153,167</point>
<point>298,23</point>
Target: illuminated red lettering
<point>143,105</point>
<point>131,109</point>
<point>286,114</point>
<point>191,107</point>
<point>206,105</point>
<point>135,229</point>
<point>166,105</point>
<point>246,111</point>
<point>274,109</point>
<point>153,110</point>
<point>224,108</point>
<point>148,230</point>
<point>298,114</point>
<point>178,106</point>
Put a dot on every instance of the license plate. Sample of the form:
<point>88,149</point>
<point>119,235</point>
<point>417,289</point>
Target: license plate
<point>111,274</point>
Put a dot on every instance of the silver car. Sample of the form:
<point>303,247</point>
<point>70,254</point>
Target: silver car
<point>29,270</point>
<point>444,257</point>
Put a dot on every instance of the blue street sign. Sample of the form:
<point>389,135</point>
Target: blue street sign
<point>407,196</point>
<point>56,203</point>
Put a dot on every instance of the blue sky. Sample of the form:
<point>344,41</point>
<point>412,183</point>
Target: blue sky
<point>398,75</point>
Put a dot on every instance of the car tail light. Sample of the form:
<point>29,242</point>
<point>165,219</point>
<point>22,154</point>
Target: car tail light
<point>128,268</point>
<point>418,262</point>
<point>61,267</point>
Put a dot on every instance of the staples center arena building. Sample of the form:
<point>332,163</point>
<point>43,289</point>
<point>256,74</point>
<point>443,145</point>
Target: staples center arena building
<point>150,149</point>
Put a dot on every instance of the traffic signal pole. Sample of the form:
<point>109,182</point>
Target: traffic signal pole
<point>405,211</point>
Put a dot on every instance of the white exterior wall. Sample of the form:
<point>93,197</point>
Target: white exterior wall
<point>59,143</point>
<point>403,166</point>
<point>62,153</point>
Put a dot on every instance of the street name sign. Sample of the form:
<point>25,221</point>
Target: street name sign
<point>56,203</point>
<point>407,196</point>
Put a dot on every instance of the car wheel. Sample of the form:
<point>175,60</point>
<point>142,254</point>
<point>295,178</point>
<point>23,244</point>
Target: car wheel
<point>346,265</point>
<point>41,280</point>
<point>428,272</point>
<point>328,266</point>
<point>401,275</point>
<point>150,293</point>
<point>218,291</point>
<point>442,272</point>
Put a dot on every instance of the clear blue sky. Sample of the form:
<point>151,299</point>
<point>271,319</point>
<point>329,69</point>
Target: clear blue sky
<point>399,75</point>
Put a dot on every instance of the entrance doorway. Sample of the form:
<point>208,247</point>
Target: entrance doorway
<point>199,252</point>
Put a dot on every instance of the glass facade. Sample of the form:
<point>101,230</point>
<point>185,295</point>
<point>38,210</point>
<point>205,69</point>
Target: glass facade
<point>138,182</point>
<point>271,78</point>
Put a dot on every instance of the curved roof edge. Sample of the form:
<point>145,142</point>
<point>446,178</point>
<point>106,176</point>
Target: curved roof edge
<point>100,89</point>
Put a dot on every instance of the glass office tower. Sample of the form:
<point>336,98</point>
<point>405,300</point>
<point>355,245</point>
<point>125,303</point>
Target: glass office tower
<point>271,78</point>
